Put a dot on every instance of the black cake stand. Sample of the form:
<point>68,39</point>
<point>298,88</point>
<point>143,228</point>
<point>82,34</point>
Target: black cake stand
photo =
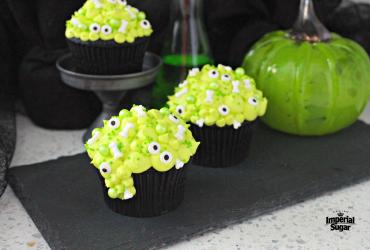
<point>110,89</point>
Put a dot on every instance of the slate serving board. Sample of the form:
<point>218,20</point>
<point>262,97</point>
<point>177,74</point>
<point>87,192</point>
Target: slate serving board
<point>64,199</point>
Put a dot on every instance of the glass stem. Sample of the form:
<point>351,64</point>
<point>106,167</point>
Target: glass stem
<point>307,26</point>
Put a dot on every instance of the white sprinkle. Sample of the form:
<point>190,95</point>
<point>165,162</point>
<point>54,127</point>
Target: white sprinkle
<point>131,11</point>
<point>94,138</point>
<point>182,92</point>
<point>97,4</point>
<point>227,68</point>
<point>180,132</point>
<point>116,153</point>
<point>247,84</point>
<point>200,123</point>
<point>236,124</point>
<point>209,97</point>
<point>235,86</point>
<point>194,72</point>
<point>127,195</point>
<point>75,22</point>
<point>184,83</point>
<point>179,164</point>
<point>123,27</point>
<point>125,131</point>
<point>140,111</point>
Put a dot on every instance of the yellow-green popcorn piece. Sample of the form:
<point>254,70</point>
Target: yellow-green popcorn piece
<point>136,140</point>
<point>108,20</point>
<point>217,96</point>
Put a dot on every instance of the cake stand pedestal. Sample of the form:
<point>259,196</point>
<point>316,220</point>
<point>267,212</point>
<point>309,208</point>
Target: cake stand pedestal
<point>110,89</point>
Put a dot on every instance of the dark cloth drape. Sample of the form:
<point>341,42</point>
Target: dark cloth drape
<point>235,25</point>
<point>47,101</point>
<point>7,92</point>
<point>36,34</point>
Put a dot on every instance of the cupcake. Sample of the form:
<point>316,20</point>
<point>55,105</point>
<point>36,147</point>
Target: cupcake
<point>221,105</point>
<point>108,37</point>
<point>140,158</point>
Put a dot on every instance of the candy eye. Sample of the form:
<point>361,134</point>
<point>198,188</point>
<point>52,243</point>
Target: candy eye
<point>154,148</point>
<point>226,77</point>
<point>123,2</point>
<point>180,109</point>
<point>173,118</point>
<point>106,29</point>
<point>166,157</point>
<point>223,109</point>
<point>114,123</point>
<point>104,168</point>
<point>112,1</point>
<point>213,74</point>
<point>95,28</point>
<point>252,101</point>
<point>145,24</point>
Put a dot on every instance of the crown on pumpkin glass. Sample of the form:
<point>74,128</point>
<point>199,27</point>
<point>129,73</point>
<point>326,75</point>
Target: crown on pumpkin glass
<point>307,26</point>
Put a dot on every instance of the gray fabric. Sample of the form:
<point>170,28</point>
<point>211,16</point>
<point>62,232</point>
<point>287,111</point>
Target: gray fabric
<point>64,199</point>
<point>7,136</point>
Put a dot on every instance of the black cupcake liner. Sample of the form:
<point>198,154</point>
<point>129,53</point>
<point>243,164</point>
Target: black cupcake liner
<point>157,193</point>
<point>222,147</point>
<point>108,57</point>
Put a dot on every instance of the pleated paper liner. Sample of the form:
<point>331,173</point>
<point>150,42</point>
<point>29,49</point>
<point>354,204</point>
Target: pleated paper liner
<point>108,57</point>
<point>157,193</point>
<point>222,147</point>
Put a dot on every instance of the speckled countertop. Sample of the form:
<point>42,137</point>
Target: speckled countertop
<point>297,227</point>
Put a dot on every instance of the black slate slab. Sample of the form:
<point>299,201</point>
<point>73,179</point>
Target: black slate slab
<point>64,199</point>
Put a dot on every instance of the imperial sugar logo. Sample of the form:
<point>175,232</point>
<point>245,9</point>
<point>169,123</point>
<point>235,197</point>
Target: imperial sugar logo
<point>341,221</point>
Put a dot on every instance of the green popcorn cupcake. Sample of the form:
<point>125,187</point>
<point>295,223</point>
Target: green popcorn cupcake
<point>108,20</point>
<point>222,105</point>
<point>218,96</point>
<point>108,31</point>
<point>141,154</point>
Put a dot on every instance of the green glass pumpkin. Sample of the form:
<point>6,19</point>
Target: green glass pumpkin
<point>316,82</point>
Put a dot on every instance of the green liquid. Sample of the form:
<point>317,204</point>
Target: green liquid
<point>174,70</point>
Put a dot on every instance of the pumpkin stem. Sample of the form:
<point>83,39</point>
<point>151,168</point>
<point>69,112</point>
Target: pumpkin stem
<point>307,26</point>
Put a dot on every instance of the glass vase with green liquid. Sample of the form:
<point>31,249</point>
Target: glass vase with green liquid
<point>174,70</point>
<point>187,47</point>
